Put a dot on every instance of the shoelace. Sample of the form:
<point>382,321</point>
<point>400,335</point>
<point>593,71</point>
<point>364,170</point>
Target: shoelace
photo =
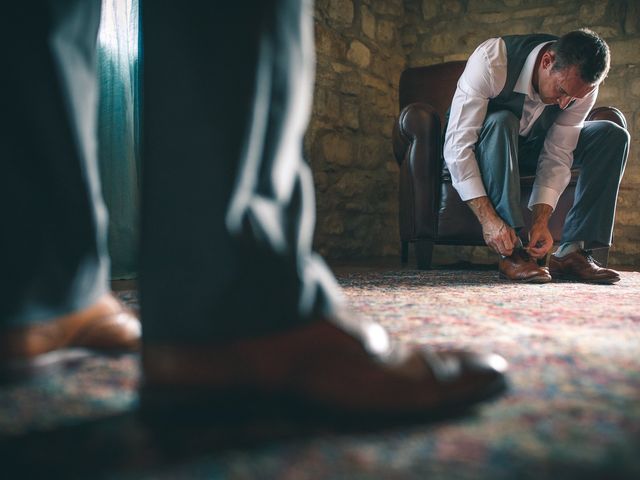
<point>588,254</point>
<point>524,254</point>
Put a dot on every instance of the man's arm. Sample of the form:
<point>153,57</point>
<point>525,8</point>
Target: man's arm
<point>554,171</point>
<point>540,239</point>
<point>554,166</point>
<point>483,78</point>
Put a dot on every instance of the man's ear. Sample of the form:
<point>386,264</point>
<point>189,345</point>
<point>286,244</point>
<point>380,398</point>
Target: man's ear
<point>548,59</point>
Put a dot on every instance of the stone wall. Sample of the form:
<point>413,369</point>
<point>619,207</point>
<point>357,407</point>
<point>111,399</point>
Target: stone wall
<point>362,48</point>
<point>359,61</point>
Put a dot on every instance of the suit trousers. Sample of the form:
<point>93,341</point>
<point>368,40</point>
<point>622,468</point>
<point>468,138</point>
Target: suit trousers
<point>601,156</point>
<point>227,199</point>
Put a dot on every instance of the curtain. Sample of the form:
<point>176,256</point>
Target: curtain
<point>119,130</point>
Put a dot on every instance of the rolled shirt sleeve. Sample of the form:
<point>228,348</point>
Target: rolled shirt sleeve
<point>556,158</point>
<point>483,78</point>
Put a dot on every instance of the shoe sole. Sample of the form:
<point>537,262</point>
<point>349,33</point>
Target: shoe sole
<point>168,406</point>
<point>538,280</point>
<point>569,278</point>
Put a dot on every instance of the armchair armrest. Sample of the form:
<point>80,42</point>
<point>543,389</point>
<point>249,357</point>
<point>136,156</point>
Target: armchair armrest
<point>417,146</point>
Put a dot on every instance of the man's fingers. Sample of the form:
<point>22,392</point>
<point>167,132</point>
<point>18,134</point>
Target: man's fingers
<point>504,247</point>
<point>508,241</point>
<point>536,252</point>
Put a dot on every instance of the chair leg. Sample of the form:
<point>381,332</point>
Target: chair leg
<point>424,252</point>
<point>404,251</point>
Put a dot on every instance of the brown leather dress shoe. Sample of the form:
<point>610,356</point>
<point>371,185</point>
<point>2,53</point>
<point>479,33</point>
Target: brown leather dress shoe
<point>106,325</point>
<point>582,267</point>
<point>320,366</point>
<point>521,267</point>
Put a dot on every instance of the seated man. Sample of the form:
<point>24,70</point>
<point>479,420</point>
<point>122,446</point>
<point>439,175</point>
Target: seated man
<point>232,295</point>
<point>520,106</point>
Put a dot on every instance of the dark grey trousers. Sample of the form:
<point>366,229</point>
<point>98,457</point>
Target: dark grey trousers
<point>53,255</point>
<point>227,209</point>
<point>601,155</point>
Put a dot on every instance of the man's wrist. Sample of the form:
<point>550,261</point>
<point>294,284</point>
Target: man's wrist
<point>483,209</point>
<point>541,214</point>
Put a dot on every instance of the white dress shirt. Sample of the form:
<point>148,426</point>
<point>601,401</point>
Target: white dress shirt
<point>484,78</point>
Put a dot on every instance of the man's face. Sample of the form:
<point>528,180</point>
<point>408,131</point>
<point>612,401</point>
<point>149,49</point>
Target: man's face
<point>560,86</point>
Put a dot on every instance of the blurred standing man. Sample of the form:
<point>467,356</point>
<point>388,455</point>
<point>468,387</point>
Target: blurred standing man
<point>232,296</point>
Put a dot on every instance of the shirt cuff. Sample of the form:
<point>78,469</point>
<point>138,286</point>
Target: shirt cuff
<point>470,188</point>
<point>546,195</point>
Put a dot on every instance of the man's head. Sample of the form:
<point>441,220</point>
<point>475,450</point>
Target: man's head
<point>572,67</point>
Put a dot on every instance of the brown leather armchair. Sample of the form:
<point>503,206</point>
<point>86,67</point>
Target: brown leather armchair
<point>431,212</point>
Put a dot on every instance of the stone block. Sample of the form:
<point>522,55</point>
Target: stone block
<point>627,198</point>
<point>490,17</point>
<point>559,24</point>
<point>359,54</point>
<point>605,31</point>
<point>609,94</point>
<point>485,5</point>
<point>440,43</point>
<point>627,217</point>
<point>421,59</point>
<point>408,39</point>
<point>540,12</point>
<point>340,12</point>
<point>456,57</point>
<point>351,184</point>
<point>371,125</point>
<point>368,21</point>
<point>327,103</point>
<point>627,246</point>
<point>430,8</point>
<point>350,83</point>
<point>625,51</point>
<point>386,129</point>
<point>592,11</point>
<point>350,114</point>
<point>357,205</point>
<point>632,17</point>
<point>380,67</point>
<point>388,7</point>
<point>325,76</point>
<point>337,149</point>
<point>332,224</point>
<point>341,67</point>
<point>329,43</point>
<point>373,152</point>
<point>385,31</point>
<point>451,7</point>
<point>375,82</point>
<point>321,181</point>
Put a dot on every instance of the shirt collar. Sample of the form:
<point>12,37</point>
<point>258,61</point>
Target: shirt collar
<point>524,83</point>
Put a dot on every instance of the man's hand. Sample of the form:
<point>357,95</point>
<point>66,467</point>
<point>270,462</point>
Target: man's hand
<point>497,235</point>
<point>540,239</point>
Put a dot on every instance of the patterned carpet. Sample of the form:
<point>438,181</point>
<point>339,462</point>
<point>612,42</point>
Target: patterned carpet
<point>573,411</point>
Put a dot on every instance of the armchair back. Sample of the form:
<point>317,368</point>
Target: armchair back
<point>433,85</point>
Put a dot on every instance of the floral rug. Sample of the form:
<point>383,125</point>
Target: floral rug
<point>572,411</point>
